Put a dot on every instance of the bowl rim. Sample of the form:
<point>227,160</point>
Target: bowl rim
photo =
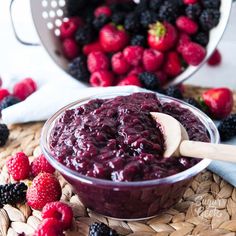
<point>188,173</point>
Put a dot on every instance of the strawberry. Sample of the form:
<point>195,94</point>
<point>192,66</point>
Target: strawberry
<point>119,64</point>
<point>92,47</point>
<point>172,66</point>
<point>162,36</point>
<point>193,53</point>
<point>3,93</point>
<point>183,40</point>
<point>18,166</point>
<point>130,80</point>
<point>112,38</point>
<point>219,102</point>
<point>45,188</point>
<point>187,25</point>
<point>102,10</point>
<point>97,61</point>
<point>152,59</point>
<point>70,48</point>
<point>102,78</point>
<point>215,58</point>
<point>133,55</point>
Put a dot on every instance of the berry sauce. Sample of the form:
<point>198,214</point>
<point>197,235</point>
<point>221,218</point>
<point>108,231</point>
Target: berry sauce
<point>117,139</point>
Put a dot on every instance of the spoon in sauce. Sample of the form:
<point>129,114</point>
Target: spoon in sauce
<point>178,144</point>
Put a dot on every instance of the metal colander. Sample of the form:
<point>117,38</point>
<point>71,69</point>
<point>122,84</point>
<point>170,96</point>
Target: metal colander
<point>49,14</point>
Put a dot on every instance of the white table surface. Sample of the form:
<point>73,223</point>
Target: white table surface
<point>17,60</point>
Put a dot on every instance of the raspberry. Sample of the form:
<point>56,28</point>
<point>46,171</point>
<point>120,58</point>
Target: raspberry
<point>139,40</point>
<point>136,71</point>
<point>130,80</point>
<point>40,164</point>
<point>92,47</point>
<point>84,35</point>
<point>174,91</point>
<point>102,78</point>
<point>172,65</point>
<point>119,64</point>
<point>45,188</point>
<point>209,19</point>
<point>70,48</point>
<point>100,229</point>
<point>68,28</point>
<point>9,101</point>
<point>149,80</point>
<point>97,61</point>
<point>102,10</point>
<point>3,93</point>
<point>23,89</point>
<point>193,53</point>
<point>161,77</point>
<point>215,59</point>
<point>187,25</point>
<point>183,40</point>
<point>60,211</point>
<point>190,1</point>
<point>132,23</point>
<point>201,38</point>
<point>133,55</point>
<point>49,227</point>
<point>100,21</point>
<point>193,11</point>
<point>227,128</point>
<point>18,166</point>
<point>152,59</point>
<point>4,134</point>
<point>31,83</point>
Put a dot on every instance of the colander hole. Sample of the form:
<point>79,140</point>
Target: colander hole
<point>58,22</point>
<point>53,4</point>
<point>52,14</point>
<point>45,15</point>
<point>59,12</point>
<point>57,32</point>
<point>44,3</point>
<point>62,3</point>
<point>50,25</point>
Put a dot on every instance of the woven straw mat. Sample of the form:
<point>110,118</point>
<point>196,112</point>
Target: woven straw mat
<point>193,215</point>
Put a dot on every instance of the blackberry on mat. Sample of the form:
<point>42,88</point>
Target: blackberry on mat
<point>100,229</point>
<point>174,91</point>
<point>4,134</point>
<point>227,128</point>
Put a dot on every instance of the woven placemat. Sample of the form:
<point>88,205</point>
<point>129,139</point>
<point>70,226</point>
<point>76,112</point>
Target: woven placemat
<point>207,208</point>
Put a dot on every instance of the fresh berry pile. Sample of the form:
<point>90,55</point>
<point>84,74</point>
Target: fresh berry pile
<point>111,44</point>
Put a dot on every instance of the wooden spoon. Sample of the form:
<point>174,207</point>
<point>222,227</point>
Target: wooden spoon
<point>178,144</point>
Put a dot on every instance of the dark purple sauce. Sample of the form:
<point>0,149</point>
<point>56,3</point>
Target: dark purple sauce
<point>117,139</point>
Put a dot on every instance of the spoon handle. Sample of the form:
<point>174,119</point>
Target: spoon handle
<point>211,151</point>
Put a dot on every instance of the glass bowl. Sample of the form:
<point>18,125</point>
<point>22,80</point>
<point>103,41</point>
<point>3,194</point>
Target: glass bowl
<point>128,200</point>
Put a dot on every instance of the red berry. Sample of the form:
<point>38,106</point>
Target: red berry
<point>219,101</point>
<point>133,55</point>
<point>187,25</point>
<point>18,166</point>
<point>97,61</point>
<point>70,48</point>
<point>136,71</point>
<point>193,53</point>
<point>130,80</point>
<point>68,28</point>
<point>119,64</point>
<point>162,36</point>
<point>3,93</point>
<point>112,38</point>
<point>172,65</point>
<point>40,164</point>
<point>60,211</point>
<point>45,188</point>
<point>190,1</point>
<point>31,83</point>
<point>152,59</point>
<point>102,78</point>
<point>103,10</point>
<point>22,90</point>
<point>183,40</point>
<point>92,47</point>
<point>162,77</point>
<point>215,59</point>
<point>49,227</point>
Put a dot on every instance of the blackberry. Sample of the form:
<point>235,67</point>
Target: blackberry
<point>84,35</point>
<point>193,102</point>
<point>202,38</point>
<point>100,21</point>
<point>78,69</point>
<point>227,128</point>
<point>155,4</point>
<point>4,134</point>
<point>193,11</point>
<point>139,40</point>
<point>142,6</point>
<point>88,15</point>
<point>118,18</point>
<point>169,11</point>
<point>209,19</point>
<point>174,91</point>
<point>100,229</point>
<point>73,7</point>
<point>148,17</point>
<point>215,4</point>
<point>9,101</point>
<point>149,80</point>
<point>12,193</point>
<point>132,23</point>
